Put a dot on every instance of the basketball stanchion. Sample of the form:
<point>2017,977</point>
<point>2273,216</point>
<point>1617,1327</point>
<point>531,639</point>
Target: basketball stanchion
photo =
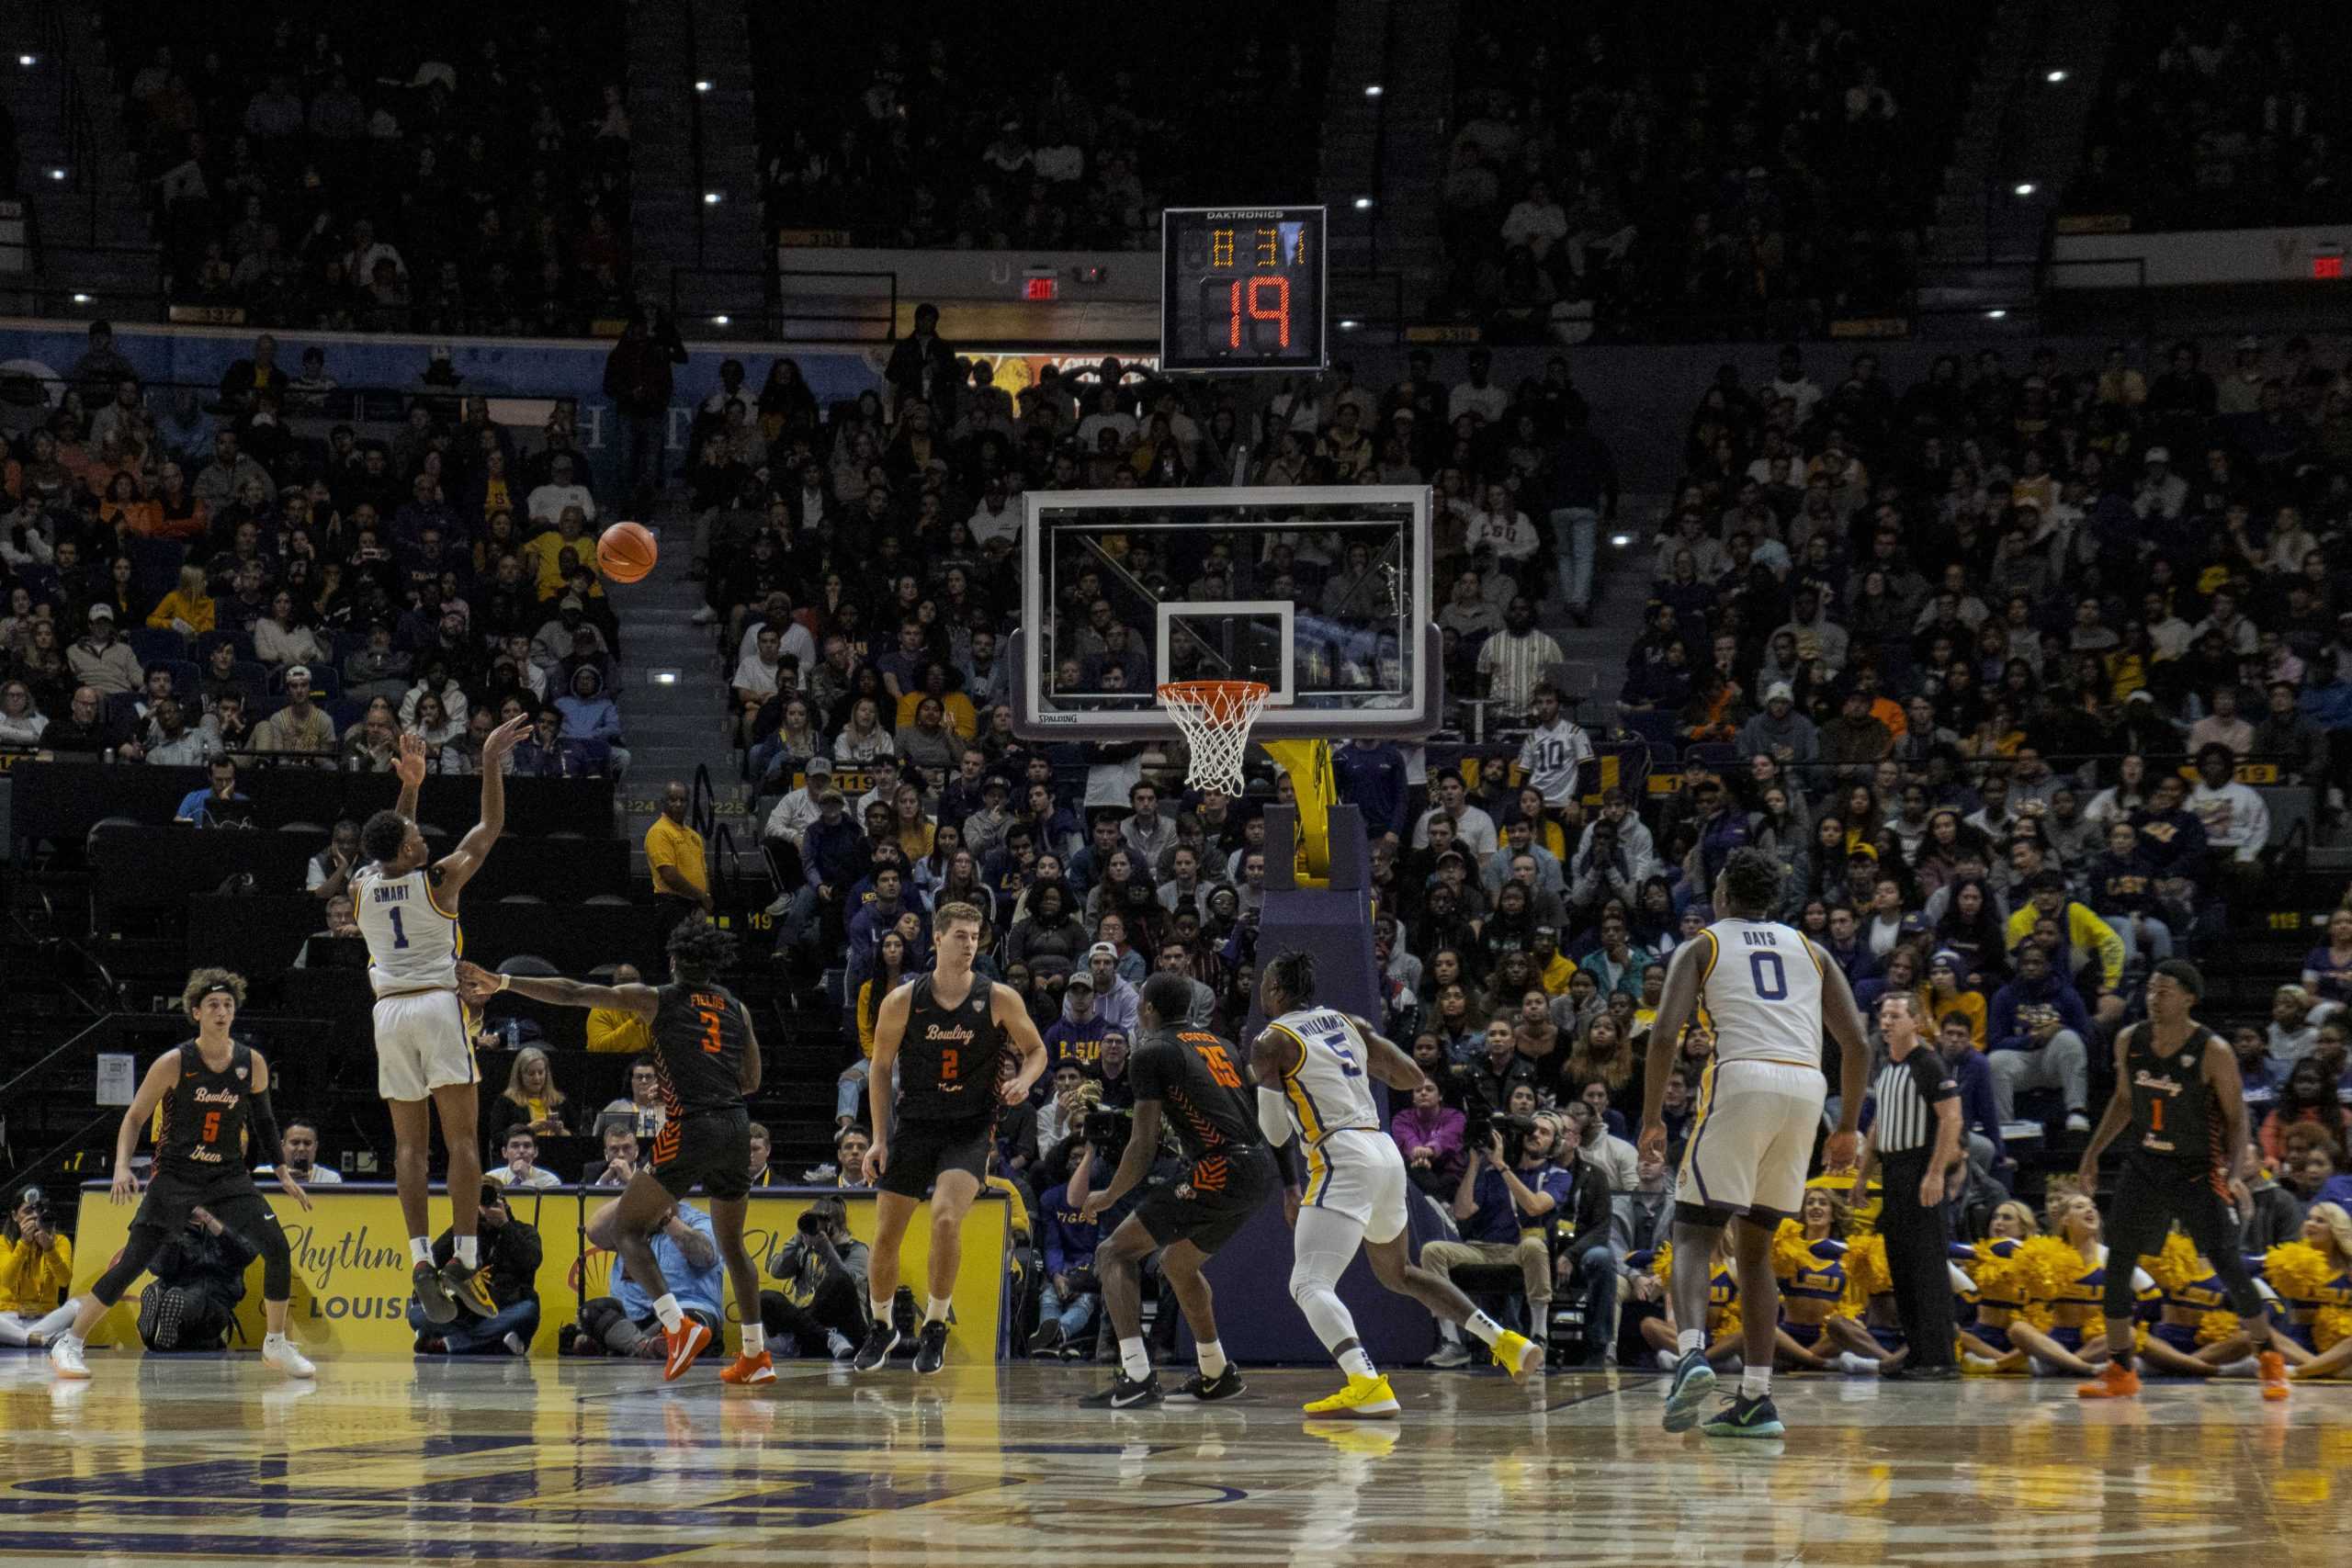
<point>1214,717</point>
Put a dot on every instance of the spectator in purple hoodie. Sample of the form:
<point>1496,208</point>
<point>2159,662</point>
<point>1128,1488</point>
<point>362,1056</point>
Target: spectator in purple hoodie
<point>1429,1134</point>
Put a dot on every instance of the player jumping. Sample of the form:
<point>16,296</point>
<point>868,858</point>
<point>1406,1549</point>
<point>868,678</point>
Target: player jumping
<point>706,1058</point>
<point>1310,1064</point>
<point>1768,991</point>
<point>944,1038</point>
<point>2180,1106</point>
<point>424,1054</point>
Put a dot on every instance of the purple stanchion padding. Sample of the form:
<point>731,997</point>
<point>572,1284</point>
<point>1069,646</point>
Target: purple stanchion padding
<point>1257,1321</point>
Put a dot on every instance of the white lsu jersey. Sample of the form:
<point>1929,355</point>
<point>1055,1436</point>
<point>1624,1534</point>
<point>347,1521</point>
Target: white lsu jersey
<point>1327,1089</point>
<point>413,943</point>
<point>1761,988</point>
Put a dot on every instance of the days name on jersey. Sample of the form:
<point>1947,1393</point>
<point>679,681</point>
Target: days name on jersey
<point>1761,988</point>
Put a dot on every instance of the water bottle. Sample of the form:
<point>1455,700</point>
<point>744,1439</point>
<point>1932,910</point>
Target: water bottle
<point>513,1030</point>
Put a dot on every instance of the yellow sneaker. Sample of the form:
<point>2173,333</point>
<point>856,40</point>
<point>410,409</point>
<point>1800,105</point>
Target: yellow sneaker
<point>1365,1399</point>
<point>1518,1355</point>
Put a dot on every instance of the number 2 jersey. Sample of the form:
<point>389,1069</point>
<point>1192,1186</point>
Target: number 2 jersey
<point>699,1041</point>
<point>1327,1089</point>
<point>413,943</point>
<point>1761,986</point>
<point>950,1058</point>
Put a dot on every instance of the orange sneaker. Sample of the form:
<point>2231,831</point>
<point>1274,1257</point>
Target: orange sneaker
<point>750,1369</point>
<point>2115,1381</point>
<point>687,1341</point>
<point>2272,1367</point>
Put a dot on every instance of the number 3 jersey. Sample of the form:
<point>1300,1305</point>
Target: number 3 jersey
<point>1327,1089</point>
<point>413,943</point>
<point>699,1039</point>
<point>1760,985</point>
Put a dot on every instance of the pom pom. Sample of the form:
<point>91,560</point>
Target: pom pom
<point>2215,1327</point>
<point>2046,1265</point>
<point>1791,1252</point>
<point>1866,1273</point>
<point>2297,1270</point>
<point>2333,1325</point>
<point>2175,1266</point>
<point>1663,1264</point>
<point>1994,1266</point>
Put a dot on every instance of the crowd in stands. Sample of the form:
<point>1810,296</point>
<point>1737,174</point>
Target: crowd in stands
<point>1680,170</point>
<point>222,588</point>
<point>2219,119</point>
<point>906,126</point>
<point>480,187</point>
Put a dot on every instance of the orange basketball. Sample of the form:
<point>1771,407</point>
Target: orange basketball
<point>626,552</point>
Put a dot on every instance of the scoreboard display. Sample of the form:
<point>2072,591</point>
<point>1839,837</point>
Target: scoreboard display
<point>1241,289</point>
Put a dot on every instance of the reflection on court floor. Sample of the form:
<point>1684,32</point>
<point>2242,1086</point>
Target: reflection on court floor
<point>213,1457</point>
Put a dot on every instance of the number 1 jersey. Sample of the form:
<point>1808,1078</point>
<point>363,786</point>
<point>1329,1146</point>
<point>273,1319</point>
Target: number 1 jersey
<point>1761,987</point>
<point>413,943</point>
<point>1327,1089</point>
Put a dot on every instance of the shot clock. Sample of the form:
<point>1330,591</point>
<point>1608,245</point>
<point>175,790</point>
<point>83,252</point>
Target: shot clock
<point>1241,289</point>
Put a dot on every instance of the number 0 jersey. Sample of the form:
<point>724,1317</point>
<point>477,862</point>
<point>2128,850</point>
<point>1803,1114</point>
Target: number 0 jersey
<point>1760,985</point>
<point>1327,1089</point>
<point>699,1041</point>
<point>412,941</point>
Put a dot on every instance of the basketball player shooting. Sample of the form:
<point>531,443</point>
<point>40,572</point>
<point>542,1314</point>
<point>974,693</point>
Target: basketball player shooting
<point>1768,991</point>
<point>1310,1064</point>
<point>425,1053</point>
<point>706,1058</point>
<point>944,1037</point>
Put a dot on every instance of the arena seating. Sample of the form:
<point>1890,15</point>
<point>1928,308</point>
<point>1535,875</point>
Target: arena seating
<point>906,125</point>
<point>482,152</point>
<point>2219,119</point>
<point>1677,171</point>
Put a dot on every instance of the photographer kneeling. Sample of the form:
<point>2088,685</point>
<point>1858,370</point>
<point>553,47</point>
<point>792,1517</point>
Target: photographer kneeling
<point>822,1270</point>
<point>1505,1206</point>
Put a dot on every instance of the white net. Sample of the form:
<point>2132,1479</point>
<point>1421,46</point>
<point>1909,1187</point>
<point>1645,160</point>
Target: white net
<point>1214,717</point>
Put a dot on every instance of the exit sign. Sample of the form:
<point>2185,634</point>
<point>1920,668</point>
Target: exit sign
<point>1041,286</point>
<point>2328,266</point>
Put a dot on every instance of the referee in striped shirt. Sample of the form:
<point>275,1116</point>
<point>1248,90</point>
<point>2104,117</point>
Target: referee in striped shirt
<point>1916,1135</point>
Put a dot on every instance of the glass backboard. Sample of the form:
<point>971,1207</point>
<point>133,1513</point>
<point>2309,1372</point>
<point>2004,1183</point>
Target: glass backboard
<point>1323,593</point>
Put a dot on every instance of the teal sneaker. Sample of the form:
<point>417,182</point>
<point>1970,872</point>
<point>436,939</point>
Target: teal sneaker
<point>1693,1380</point>
<point>1746,1418</point>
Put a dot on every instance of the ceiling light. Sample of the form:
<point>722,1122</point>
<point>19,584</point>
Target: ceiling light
<point>2025,187</point>
<point>712,199</point>
<point>718,320</point>
<point>2054,77</point>
<point>702,86</point>
<point>1994,315</point>
<point>1363,204</point>
<point>1371,91</point>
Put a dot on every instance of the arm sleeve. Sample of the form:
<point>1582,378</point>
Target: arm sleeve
<point>266,1128</point>
<point>1274,1118</point>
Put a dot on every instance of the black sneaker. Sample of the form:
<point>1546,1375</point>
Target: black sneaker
<point>880,1340</point>
<point>1207,1389</point>
<point>1744,1418</point>
<point>159,1318</point>
<point>1124,1392</point>
<point>468,1288</point>
<point>433,1294</point>
<point>931,1349</point>
<point>1047,1340</point>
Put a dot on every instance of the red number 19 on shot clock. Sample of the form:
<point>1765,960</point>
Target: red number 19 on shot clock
<point>1242,288</point>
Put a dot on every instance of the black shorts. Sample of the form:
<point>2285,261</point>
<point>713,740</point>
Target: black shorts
<point>712,1147</point>
<point>173,1193</point>
<point>1216,1201</point>
<point>922,1152</point>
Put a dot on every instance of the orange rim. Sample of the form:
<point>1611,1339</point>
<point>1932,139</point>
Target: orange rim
<point>1219,700</point>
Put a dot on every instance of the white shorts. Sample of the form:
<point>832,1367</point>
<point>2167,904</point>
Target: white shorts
<point>1752,1140</point>
<point>1361,1175</point>
<point>422,1044</point>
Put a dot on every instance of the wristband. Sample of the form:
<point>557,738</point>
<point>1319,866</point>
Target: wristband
<point>505,981</point>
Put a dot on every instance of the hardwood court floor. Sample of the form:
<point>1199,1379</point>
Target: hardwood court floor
<point>161,1460</point>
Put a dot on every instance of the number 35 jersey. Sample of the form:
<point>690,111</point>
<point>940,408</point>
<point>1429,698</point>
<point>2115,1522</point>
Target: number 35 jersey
<point>1761,984</point>
<point>699,1039</point>
<point>1327,1089</point>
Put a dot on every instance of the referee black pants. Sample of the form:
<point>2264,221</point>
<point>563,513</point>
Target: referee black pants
<point>1918,1244</point>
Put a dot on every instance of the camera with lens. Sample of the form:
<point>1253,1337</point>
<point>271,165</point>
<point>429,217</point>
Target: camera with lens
<point>1513,1131</point>
<point>809,1224</point>
<point>1104,1128</point>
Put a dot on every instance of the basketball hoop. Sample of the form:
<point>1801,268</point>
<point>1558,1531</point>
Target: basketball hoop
<point>1216,716</point>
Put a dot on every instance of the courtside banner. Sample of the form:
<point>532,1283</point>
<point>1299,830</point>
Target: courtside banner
<point>351,1266</point>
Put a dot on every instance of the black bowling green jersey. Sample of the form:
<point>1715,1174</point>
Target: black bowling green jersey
<point>699,1041</point>
<point>203,1131</point>
<point>2175,1113</point>
<point>950,1058</point>
<point>1195,1077</point>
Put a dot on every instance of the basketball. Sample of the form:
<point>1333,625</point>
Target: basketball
<point>626,552</point>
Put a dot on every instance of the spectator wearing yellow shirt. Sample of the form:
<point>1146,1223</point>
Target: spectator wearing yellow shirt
<point>612,1030</point>
<point>35,1268</point>
<point>545,550</point>
<point>1553,968</point>
<point>188,609</point>
<point>674,853</point>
